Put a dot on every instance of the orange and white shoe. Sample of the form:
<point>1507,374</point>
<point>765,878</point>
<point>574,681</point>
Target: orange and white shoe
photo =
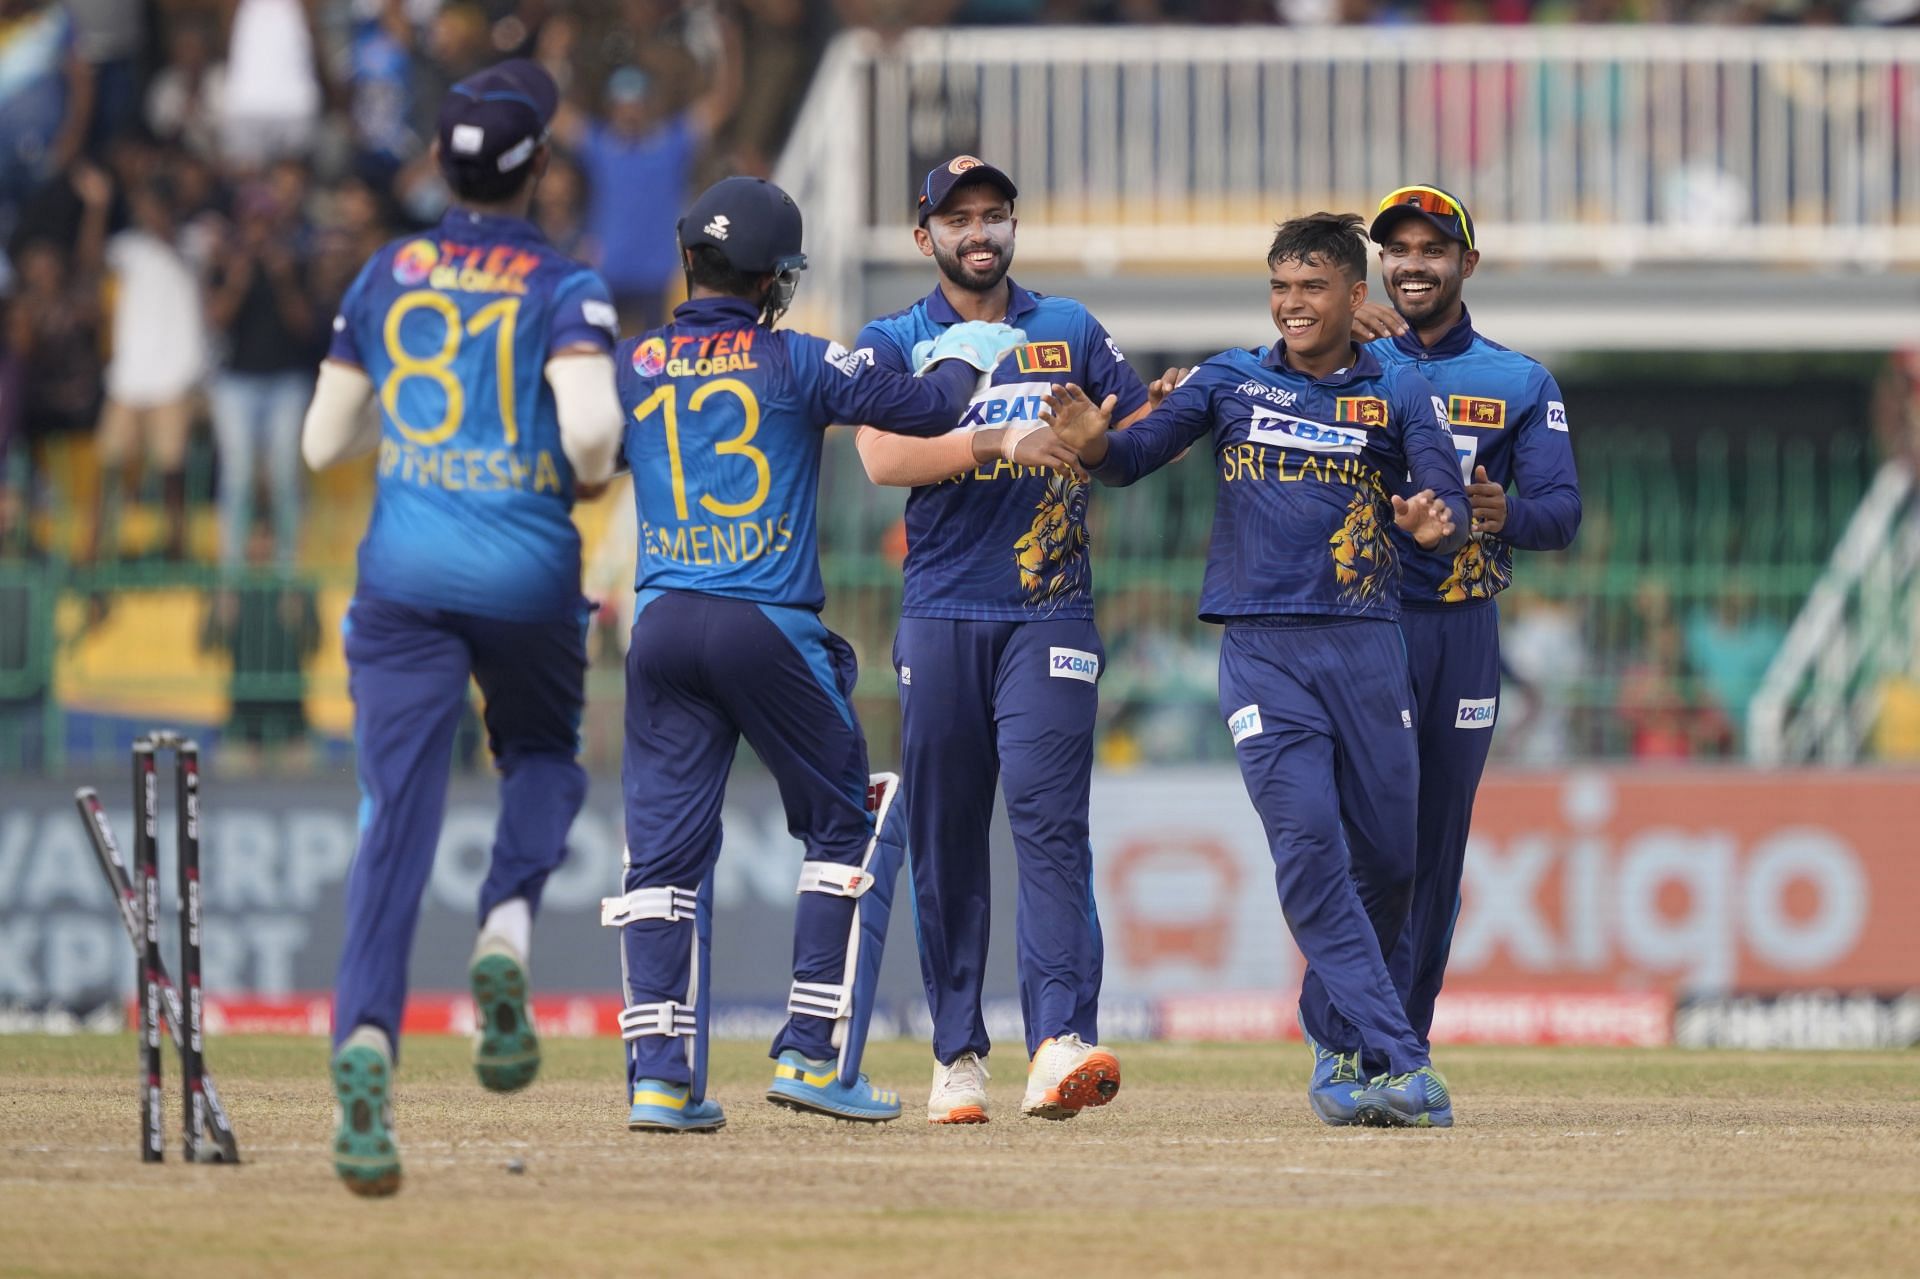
<point>1067,1075</point>
<point>959,1091</point>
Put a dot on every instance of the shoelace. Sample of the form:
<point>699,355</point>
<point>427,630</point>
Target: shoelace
<point>967,1071</point>
<point>1346,1068</point>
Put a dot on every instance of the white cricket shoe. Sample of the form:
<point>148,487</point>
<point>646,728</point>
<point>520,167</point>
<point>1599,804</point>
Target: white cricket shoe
<point>959,1091</point>
<point>1067,1075</point>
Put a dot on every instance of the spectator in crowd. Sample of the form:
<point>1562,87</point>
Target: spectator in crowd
<point>270,625</point>
<point>53,331</point>
<point>185,101</point>
<point>1896,409</point>
<point>258,297</point>
<point>560,210</point>
<point>1544,651</point>
<point>159,356</point>
<point>780,43</point>
<point>46,100</point>
<point>109,36</point>
<point>1657,705</point>
<point>271,99</point>
<point>637,163</point>
<point>1731,646</point>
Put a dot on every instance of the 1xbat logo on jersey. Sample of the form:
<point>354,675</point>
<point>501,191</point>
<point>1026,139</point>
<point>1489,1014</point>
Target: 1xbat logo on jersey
<point>1012,402</point>
<point>1288,431</point>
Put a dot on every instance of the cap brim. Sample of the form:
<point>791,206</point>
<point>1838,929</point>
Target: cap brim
<point>1391,216</point>
<point>979,173</point>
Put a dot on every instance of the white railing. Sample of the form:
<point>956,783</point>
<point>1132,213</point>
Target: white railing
<point>1823,692</point>
<point>1181,146</point>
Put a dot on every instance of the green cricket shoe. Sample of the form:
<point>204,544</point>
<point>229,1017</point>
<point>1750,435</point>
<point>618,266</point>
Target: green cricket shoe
<point>365,1157</point>
<point>506,1052</point>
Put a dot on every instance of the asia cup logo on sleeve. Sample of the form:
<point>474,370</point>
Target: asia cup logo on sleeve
<point>650,357</point>
<point>415,262</point>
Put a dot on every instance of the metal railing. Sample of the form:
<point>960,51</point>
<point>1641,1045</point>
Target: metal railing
<point>1822,694</point>
<point>1170,146</point>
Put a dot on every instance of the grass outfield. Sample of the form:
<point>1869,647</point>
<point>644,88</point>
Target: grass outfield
<point>1563,1161</point>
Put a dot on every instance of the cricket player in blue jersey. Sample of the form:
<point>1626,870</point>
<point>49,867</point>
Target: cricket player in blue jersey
<point>997,656</point>
<point>726,416</point>
<point>488,353</point>
<point>1312,437</point>
<point>1509,426</point>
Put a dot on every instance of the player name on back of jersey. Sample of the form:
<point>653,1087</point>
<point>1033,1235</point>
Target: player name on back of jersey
<point>469,470</point>
<point>713,545</point>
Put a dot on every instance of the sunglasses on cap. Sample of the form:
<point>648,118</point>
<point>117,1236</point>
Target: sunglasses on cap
<point>1435,204</point>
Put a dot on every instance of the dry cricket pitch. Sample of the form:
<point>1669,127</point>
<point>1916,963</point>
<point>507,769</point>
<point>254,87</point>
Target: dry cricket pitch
<point>1563,1161</point>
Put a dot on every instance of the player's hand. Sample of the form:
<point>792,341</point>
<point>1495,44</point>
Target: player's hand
<point>1037,446</point>
<point>1077,419</point>
<point>1488,503</point>
<point>92,184</point>
<point>1161,387</point>
<point>1424,516</point>
<point>1372,320</point>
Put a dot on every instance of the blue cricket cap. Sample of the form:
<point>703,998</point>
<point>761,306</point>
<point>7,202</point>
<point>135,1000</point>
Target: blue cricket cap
<point>753,223</point>
<point>962,169</point>
<point>492,122</point>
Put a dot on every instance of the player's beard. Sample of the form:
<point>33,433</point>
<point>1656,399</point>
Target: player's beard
<point>1443,295</point>
<point>974,281</point>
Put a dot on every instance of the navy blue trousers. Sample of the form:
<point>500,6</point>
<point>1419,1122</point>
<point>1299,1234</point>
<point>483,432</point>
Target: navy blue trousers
<point>408,669</point>
<point>1453,659</point>
<point>1320,712</point>
<point>703,672</point>
<point>1010,703</point>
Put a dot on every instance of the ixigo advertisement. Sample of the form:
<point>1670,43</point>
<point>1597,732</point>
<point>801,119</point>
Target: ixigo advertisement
<point>1689,881</point>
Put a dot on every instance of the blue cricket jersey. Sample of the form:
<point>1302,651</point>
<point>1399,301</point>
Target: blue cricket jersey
<point>1306,466</point>
<point>726,418</point>
<point>1003,542</point>
<point>455,327</point>
<point>1505,413</point>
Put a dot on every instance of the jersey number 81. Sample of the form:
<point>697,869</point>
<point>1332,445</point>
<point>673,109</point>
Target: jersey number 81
<point>437,367</point>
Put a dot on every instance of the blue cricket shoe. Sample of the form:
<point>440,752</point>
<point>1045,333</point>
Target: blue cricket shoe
<point>1416,1100</point>
<point>1335,1086</point>
<point>801,1084</point>
<point>1335,1081</point>
<point>659,1106</point>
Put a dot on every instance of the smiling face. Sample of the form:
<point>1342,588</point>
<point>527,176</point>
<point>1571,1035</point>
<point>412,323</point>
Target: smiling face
<point>1424,269</point>
<point>970,236</point>
<point>1313,302</point>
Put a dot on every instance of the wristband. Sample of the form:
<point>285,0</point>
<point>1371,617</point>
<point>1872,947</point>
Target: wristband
<point>1012,435</point>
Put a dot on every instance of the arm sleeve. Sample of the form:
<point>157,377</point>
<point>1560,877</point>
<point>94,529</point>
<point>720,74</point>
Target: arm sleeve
<point>583,315</point>
<point>1545,513</point>
<point>344,347</point>
<point>339,424</point>
<point>849,386</point>
<point>1427,445</point>
<point>1160,436</point>
<point>588,408</point>
<point>1108,373</point>
<point>901,461</point>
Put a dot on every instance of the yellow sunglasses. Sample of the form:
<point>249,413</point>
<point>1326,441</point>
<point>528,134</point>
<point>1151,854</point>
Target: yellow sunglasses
<point>1435,204</point>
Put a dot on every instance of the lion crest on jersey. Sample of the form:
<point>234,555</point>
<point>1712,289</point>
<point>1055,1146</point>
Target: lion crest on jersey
<point>1362,554</point>
<point>1052,553</point>
<point>1478,573</point>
